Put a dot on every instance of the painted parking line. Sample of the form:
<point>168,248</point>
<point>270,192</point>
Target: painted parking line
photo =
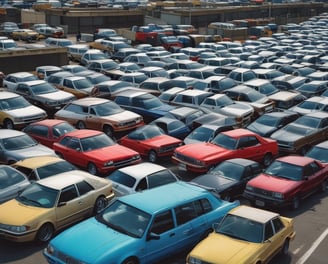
<point>314,246</point>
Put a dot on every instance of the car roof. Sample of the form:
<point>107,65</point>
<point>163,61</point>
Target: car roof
<point>61,180</point>
<point>82,133</point>
<point>49,122</point>
<point>88,101</point>
<point>238,132</point>
<point>142,170</point>
<point>5,95</point>
<point>323,144</point>
<point>36,162</point>
<point>21,74</point>
<point>8,133</point>
<point>296,160</point>
<point>164,197</point>
<point>252,213</point>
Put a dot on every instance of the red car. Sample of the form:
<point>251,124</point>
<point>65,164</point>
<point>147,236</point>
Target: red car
<point>237,143</point>
<point>95,151</point>
<point>48,131</point>
<point>286,181</point>
<point>151,141</point>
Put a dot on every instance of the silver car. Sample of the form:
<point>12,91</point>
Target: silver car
<point>11,182</point>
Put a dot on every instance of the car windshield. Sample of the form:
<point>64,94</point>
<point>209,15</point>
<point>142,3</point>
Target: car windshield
<point>62,128</point>
<point>241,228</point>
<point>43,88</point>
<point>229,170</point>
<point>225,141</point>
<point>151,131</point>
<point>96,142</point>
<point>9,177</point>
<point>82,84</point>
<point>110,65</point>
<point>285,170</point>
<point>14,103</point>
<point>318,153</point>
<point>18,142</point>
<point>151,102</point>
<point>125,219</point>
<point>309,121</point>
<point>268,89</point>
<point>108,108</point>
<point>202,134</point>
<point>311,105</point>
<point>268,120</point>
<point>294,129</point>
<point>54,168</point>
<point>254,96</point>
<point>39,196</point>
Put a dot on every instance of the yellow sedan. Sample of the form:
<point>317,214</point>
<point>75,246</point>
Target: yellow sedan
<point>53,203</point>
<point>246,235</point>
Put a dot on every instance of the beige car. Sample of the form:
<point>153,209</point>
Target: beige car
<point>99,114</point>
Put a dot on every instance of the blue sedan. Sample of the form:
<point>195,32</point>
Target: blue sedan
<point>141,228</point>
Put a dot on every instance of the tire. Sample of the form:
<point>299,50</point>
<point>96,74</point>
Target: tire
<point>152,156</point>
<point>100,204</point>
<point>45,233</point>
<point>285,247</point>
<point>267,159</point>
<point>80,125</point>
<point>92,168</point>
<point>8,124</point>
<point>296,203</point>
<point>130,261</point>
<point>108,130</point>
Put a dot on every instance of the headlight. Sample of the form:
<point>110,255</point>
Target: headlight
<point>109,163</point>
<point>192,260</point>
<point>278,195</point>
<point>14,229</point>
<point>50,103</point>
<point>18,119</point>
<point>249,188</point>
<point>50,249</point>
<point>136,157</point>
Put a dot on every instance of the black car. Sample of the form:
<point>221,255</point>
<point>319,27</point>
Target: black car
<point>229,178</point>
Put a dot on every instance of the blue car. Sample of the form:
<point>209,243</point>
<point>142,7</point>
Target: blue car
<point>141,228</point>
<point>144,104</point>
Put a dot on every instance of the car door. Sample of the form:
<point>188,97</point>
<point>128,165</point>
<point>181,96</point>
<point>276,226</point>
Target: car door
<point>70,206</point>
<point>72,152</point>
<point>250,148</point>
<point>92,120</point>
<point>313,176</point>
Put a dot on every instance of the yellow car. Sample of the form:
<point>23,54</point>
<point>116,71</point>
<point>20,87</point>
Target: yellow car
<point>25,34</point>
<point>37,168</point>
<point>53,203</point>
<point>245,235</point>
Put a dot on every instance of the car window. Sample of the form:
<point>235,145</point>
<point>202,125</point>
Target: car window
<point>268,231</point>
<point>67,194</point>
<point>84,187</point>
<point>277,224</point>
<point>185,213</point>
<point>39,130</point>
<point>142,185</point>
<point>74,144</point>
<point>163,222</point>
<point>9,177</point>
<point>160,178</point>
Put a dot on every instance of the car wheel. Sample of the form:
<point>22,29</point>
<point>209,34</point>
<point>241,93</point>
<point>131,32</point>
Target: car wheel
<point>8,124</point>
<point>45,233</point>
<point>92,169</point>
<point>267,159</point>
<point>295,203</point>
<point>152,156</point>
<point>324,186</point>
<point>80,125</point>
<point>285,248</point>
<point>108,130</point>
<point>100,204</point>
<point>130,261</point>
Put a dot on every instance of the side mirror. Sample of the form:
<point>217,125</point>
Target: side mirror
<point>61,204</point>
<point>153,236</point>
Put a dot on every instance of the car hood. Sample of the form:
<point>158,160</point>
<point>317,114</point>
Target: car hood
<point>26,112</point>
<point>220,183</point>
<point>101,240</point>
<point>273,184</point>
<point>237,109</point>
<point>162,140</point>
<point>164,108</point>
<point>115,152</point>
<point>56,96</point>
<point>285,135</point>
<point>202,151</point>
<point>217,248</point>
<point>124,116</point>
<point>26,213</point>
<point>35,151</point>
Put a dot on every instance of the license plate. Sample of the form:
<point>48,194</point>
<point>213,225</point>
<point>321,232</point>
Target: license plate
<point>259,203</point>
<point>182,167</point>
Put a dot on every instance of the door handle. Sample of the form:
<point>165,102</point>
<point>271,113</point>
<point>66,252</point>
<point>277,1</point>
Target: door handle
<point>187,231</point>
<point>172,234</point>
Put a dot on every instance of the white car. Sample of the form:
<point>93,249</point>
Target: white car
<point>11,80</point>
<point>139,177</point>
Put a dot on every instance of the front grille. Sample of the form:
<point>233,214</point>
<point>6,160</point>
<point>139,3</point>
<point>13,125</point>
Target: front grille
<point>121,163</point>
<point>186,158</point>
<point>31,119</point>
<point>129,123</point>
<point>169,148</point>
<point>67,259</point>
<point>262,192</point>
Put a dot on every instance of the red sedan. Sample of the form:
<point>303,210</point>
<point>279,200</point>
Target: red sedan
<point>48,131</point>
<point>237,143</point>
<point>151,141</point>
<point>95,151</point>
<point>286,181</point>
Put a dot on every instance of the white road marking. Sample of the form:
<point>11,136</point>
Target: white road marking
<point>314,246</point>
